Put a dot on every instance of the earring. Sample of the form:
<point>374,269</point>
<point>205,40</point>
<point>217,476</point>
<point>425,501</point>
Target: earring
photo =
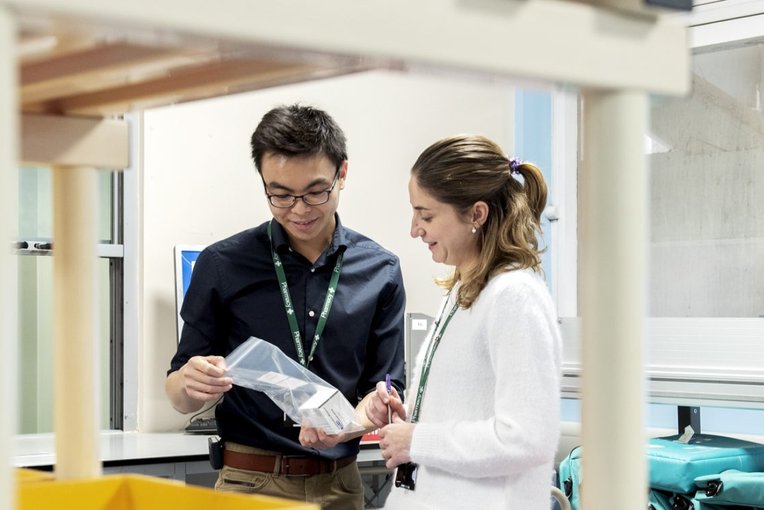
<point>474,230</point>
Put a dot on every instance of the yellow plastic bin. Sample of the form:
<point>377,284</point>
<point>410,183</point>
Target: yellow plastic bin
<point>136,492</point>
<point>26,475</point>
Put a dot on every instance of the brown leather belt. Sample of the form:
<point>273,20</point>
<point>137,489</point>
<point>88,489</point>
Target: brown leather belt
<point>284,464</point>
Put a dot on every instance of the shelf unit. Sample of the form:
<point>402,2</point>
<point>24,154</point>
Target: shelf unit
<point>72,68</point>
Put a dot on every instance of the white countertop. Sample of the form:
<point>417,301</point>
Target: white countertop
<point>35,450</point>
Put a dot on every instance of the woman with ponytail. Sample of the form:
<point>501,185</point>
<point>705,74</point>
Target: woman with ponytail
<point>481,424</point>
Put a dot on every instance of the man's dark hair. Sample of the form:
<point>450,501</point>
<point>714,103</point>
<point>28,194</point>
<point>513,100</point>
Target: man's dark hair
<point>297,130</point>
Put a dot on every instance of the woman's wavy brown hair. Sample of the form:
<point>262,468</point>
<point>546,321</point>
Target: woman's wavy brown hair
<point>464,169</point>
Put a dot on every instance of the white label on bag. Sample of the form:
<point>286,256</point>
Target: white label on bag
<point>281,380</point>
<point>687,436</point>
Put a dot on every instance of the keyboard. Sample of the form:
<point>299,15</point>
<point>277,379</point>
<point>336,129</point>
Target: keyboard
<point>202,426</point>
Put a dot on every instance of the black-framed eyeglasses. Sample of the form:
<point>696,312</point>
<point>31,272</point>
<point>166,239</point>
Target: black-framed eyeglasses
<point>285,201</point>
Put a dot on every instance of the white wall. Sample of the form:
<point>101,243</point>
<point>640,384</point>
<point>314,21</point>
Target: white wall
<point>199,184</point>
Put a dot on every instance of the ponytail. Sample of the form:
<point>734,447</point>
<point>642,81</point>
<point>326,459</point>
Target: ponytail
<point>534,187</point>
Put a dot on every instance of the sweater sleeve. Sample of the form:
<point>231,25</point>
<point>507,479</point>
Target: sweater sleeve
<point>523,347</point>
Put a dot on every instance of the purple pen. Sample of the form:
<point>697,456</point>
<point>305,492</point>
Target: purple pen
<point>389,387</point>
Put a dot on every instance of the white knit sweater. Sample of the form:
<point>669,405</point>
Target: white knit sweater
<point>489,423</point>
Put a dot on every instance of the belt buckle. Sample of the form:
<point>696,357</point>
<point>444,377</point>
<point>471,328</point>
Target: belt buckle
<point>284,466</point>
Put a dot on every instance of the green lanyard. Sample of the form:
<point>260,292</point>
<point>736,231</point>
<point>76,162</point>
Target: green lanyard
<point>285,296</point>
<point>431,347</point>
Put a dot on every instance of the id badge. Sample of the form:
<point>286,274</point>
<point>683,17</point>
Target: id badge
<point>216,452</point>
<point>405,476</point>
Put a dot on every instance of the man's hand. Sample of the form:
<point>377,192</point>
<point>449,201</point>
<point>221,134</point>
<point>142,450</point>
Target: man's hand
<point>201,379</point>
<point>316,438</point>
<point>204,378</point>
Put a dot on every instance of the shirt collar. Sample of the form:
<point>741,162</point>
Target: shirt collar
<point>339,238</point>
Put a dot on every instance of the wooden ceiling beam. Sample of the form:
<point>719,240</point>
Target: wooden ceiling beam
<point>92,60</point>
<point>193,83</point>
<point>87,70</point>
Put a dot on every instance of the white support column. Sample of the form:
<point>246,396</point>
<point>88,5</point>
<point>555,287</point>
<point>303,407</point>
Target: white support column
<point>9,195</point>
<point>613,223</point>
<point>75,294</point>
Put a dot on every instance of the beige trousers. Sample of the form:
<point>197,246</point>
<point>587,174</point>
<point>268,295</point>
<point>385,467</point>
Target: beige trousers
<point>341,490</point>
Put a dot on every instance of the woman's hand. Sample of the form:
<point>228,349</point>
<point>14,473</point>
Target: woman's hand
<point>395,442</point>
<point>376,410</point>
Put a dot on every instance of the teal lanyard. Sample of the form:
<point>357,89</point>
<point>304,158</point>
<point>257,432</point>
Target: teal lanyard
<point>431,347</point>
<point>287,298</point>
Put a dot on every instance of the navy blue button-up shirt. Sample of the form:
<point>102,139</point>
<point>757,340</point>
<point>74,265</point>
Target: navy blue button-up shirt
<point>234,294</point>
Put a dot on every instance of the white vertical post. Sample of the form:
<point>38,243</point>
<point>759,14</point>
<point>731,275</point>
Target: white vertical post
<point>9,223</point>
<point>75,315</point>
<point>613,199</point>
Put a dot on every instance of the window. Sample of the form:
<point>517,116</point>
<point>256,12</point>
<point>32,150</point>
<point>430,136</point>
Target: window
<point>705,327</point>
<point>705,330</point>
<point>35,300</point>
<point>707,191</point>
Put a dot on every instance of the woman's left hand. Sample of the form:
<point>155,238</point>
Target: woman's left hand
<point>395,442</point>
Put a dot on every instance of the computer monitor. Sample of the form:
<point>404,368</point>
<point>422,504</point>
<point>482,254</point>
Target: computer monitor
<point>185,258</point>
<point>417,327</point>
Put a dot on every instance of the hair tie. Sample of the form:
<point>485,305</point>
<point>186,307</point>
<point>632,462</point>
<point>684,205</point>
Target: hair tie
<point>514,165</point>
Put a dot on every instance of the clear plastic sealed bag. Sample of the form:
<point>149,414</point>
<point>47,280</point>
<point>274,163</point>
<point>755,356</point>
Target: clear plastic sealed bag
<point>306,398</point>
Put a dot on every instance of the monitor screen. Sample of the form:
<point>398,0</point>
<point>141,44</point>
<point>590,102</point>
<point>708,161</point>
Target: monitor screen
<point>185,258</point>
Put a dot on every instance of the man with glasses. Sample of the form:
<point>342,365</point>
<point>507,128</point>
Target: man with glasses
<point>327,296</point>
